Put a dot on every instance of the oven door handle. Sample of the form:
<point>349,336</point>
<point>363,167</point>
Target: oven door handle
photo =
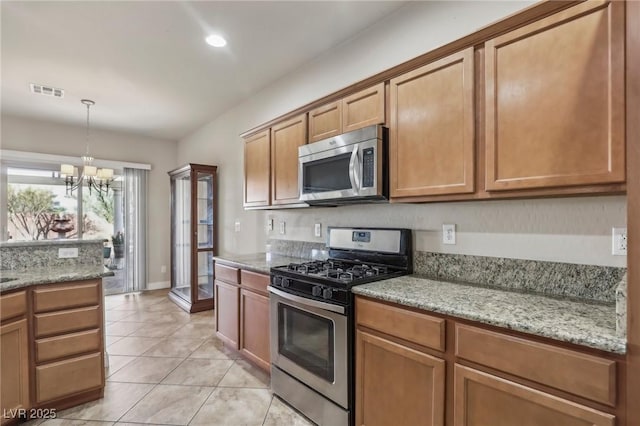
<point>309,302</point>
<point>354,169</point>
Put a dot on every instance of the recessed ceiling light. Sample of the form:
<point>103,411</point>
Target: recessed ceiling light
<point>216,40</point>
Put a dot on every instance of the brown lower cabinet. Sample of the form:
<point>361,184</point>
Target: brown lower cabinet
<point>14,367</point>
<point>397,384</point>
<point>431,369</point>
<point>242,312</point>
<point>254,327</point>
<point>226,308</point>
<point>52,347</point>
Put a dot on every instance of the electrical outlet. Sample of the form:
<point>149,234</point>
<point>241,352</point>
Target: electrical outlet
<point>237,225</point>
<point>282,227</point>
<point>448,234</point>
<point>317,230</point>
<point>619,241</point>
<point>163,269</point>
<point>270,224</point>
<point>67,253</point>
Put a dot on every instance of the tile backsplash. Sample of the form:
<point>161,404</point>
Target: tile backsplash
<point>589,282</point>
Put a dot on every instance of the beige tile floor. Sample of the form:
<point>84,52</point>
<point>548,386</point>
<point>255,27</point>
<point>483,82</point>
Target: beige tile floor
<point>168,368</point>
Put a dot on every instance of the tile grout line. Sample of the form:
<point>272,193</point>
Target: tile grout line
<point>268,409</point>
<point>202,405</point>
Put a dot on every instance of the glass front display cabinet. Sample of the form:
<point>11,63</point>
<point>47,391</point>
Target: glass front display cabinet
<point>193,236</point>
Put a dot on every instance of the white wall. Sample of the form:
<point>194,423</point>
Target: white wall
<point>572,230</point>
<point>50,138</point>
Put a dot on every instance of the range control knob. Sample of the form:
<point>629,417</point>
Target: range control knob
<point>316,290</point>
<point>285,282</point>
<point>327,293</point>
<point>277,280</point>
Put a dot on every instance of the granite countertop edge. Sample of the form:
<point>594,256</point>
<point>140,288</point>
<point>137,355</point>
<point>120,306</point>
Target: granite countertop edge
<point>39,243</point>
<point>499,313</point>
<point>37,276</point>
<point>256,262</point>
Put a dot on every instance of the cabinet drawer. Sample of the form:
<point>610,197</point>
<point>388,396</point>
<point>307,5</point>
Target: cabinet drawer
<point>13,305</point>
<point>412,326</point>
<point>60,379</point>
<point>66,321</point>
<point>59,297</point>
<point>580,374</point>
<point>254,281</point>
<point>484,399</point>
<point>67,345</point>
<point>227,273</point>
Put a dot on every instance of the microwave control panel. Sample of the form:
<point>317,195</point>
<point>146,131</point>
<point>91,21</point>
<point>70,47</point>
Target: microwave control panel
<point>368,167</point>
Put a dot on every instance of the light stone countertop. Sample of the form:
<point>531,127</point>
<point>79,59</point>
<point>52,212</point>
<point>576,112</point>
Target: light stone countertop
<point>256,262</point>
<point>569,320</point>
<point>34,276</point>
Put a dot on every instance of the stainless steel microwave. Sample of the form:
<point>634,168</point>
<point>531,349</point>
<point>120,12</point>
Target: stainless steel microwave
<point>345,169</point>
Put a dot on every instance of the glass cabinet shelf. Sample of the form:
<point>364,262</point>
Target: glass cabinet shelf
<point>193,236</point>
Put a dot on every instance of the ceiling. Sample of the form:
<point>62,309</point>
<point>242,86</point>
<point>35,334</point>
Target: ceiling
<point>146,65</point>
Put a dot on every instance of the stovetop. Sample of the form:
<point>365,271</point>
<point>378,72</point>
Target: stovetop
<point>339,271</point>
<point>357,256</point>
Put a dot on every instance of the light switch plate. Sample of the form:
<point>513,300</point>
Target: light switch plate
<point>237,226</point>
<point>282,227</point>
<point>317,230</point>
<point>67,253</point>
<point>270,224</point>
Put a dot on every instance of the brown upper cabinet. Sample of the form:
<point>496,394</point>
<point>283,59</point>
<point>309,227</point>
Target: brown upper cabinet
<point>286,137</point>
<point>353,112</point>
<point>271,164</point>
<point>432,128</point>
<point>555,101</point>
<point>257,169</point>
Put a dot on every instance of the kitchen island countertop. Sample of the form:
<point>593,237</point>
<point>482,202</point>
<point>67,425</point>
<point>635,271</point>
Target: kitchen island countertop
<point>35,276</point>
<point>256,262</point>
<point>569,320</point>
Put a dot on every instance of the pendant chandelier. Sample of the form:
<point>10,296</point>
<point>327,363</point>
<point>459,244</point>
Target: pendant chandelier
<point>95,178</point>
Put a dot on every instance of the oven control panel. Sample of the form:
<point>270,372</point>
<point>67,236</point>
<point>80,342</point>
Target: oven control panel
<point>309,289</point>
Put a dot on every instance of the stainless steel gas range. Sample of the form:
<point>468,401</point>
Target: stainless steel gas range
<point>312,319</point>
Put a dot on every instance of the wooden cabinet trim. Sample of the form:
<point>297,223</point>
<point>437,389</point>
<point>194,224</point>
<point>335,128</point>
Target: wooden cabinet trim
<point>58,347</point>
<point>580,374</point>
<point>227,273</point>
<point>364,108</point>
<point>68,377</point>
<point>325,121</point>
<point>466,158</point>
<point>615,143</point>
<point>435,395</point>
<point>464,376</point>
<point>415,327</point>
<point>66,296</point>
<point>257,170</point>
<point>71,320</point>
<point>284,159</point>
<point>13,305</point>
<point>254,281</point>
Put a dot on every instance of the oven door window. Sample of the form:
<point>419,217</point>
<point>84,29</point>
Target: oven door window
<point>328,174</point>
<point>307,340</point>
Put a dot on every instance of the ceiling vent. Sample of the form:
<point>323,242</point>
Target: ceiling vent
<point>39,89</point>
